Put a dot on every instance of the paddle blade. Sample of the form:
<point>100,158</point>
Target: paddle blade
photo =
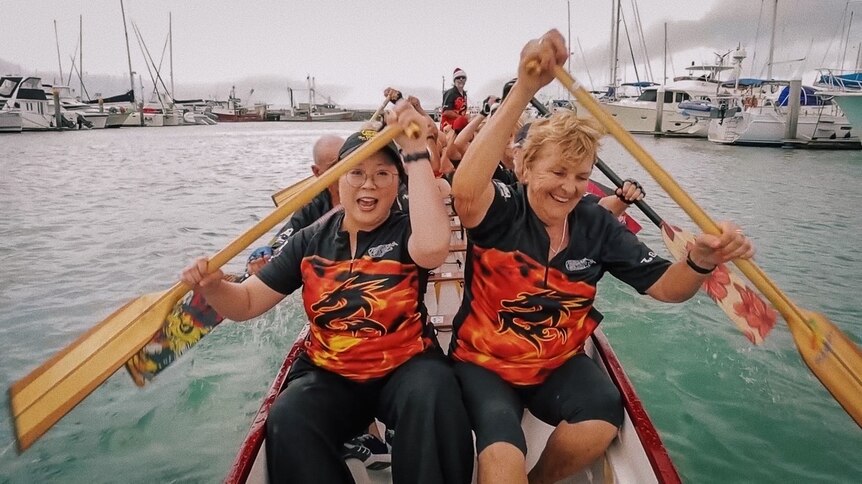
<point>50,391</point>
<point>748,310</point>
<point>833,358</point>
<point>280,197</point>
<point>186,324</point>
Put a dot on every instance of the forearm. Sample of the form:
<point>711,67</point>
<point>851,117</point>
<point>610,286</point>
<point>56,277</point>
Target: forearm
<point>449,114</point>
<point>679,283</point>
<point>473,175</point>
<point>614,205</point>
<point>429,223</point>
<point>235,302</point>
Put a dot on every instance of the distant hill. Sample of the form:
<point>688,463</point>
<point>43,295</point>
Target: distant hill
<point>266,89</point>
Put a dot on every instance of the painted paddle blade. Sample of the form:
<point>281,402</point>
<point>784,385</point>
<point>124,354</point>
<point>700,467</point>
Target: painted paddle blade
<point>50,391</point>
<point>833,357</point>
<point>750,312</point>
<point>190,319</point>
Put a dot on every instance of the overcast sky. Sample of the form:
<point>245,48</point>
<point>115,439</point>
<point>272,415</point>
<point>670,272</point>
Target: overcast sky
<point>355,49</point>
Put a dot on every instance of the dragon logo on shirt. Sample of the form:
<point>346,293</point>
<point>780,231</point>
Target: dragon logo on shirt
<point>348,306</point>
<point>536,317</point>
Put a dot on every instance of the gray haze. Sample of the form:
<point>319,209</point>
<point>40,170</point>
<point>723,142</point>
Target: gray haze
<point>354,50</point>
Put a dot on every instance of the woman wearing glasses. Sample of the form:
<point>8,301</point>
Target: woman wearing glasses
<point>370,352</point>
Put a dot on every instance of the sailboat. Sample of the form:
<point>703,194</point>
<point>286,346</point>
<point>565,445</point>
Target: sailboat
<point>785,113</point>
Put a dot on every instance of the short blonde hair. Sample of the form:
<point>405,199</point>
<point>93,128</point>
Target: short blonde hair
<point>577,138</point>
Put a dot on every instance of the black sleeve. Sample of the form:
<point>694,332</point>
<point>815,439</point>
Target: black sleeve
<point>449,99</point>
<point>627,258</point>
<point>283,273</point>
<point>302,218</point>
<point>503,210</point>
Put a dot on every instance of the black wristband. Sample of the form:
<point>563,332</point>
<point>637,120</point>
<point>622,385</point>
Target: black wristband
<point>419,155</point>
<point>697,268</point>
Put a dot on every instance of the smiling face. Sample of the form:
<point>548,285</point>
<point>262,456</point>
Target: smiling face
<point>555,185</point>
<point>367,205</point>
<point>557,159</point>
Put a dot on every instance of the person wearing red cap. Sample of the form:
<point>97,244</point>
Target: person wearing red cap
<point>455,103</point>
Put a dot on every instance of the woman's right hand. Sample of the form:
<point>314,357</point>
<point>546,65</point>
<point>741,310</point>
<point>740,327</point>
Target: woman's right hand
<point>406,115</point>
<point>197,277</point>
<point>544,53</point>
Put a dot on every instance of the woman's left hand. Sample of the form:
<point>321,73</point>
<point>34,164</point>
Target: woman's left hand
<point>712,250</point>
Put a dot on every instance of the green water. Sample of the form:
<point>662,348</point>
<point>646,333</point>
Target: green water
<point>90,220</point>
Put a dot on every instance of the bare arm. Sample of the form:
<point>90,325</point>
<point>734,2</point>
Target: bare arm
<point>472,188</point>
<point>429,239</point>
<point>236,301</point>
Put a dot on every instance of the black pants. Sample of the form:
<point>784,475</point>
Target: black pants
<point>574,392</point>
<point>320,410</point>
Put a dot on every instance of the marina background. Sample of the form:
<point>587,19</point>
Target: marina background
<point>92,219</point>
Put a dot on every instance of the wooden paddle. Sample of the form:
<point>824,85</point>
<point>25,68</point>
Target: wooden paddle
<point>745,307</point>
<point>830,354</point>
<point>379,111</point>
<point>281,197</point>
<point>50,391</point>
<point>725,287</point>
<point>188,321</point>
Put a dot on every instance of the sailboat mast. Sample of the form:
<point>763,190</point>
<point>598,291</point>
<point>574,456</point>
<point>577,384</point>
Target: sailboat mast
<point>171,52</point>
<point>615,42</point>
<point>57,40</point>
<point>569,40</point>
<point>81,54</point>
<point>771,40</point>
<point>128,52</point>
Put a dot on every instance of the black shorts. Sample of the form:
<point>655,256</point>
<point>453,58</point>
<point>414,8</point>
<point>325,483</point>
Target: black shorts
<point>575,392</point>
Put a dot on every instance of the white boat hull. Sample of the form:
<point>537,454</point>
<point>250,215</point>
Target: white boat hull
<point>767,126</point>
<point>10,122</point>
<point>851,104</point>
<point>639,118</point>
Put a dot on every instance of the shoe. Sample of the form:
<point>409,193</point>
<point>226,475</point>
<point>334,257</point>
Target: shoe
<point>368,449</point>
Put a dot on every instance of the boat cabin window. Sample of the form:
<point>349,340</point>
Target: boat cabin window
<point>7,87</point>
<point>652,94</point>
<point>682,96</point>
<point>649,95</point>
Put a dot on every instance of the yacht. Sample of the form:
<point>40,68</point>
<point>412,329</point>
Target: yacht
<point>91,116</point>
<point>764,117</point>
<point>638,115</point>
<point>25,95</point>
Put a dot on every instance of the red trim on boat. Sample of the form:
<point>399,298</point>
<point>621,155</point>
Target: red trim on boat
<point>247,454</point>
<point>653,446</point>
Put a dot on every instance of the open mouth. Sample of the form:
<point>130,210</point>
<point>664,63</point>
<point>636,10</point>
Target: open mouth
<point>366,203</point>
<point>561,199</point>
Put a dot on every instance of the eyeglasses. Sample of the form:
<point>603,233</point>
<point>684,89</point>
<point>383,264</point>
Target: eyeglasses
<point>461,78</point>
<point>381,178</point>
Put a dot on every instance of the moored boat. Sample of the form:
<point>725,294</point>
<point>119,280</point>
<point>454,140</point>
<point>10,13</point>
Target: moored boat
<point>637,455</point>
<point>10,121</point>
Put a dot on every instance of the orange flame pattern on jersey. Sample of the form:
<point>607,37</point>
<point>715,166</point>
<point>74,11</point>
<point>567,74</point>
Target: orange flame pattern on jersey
<point>525,319</point>
<point>364,315</point>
